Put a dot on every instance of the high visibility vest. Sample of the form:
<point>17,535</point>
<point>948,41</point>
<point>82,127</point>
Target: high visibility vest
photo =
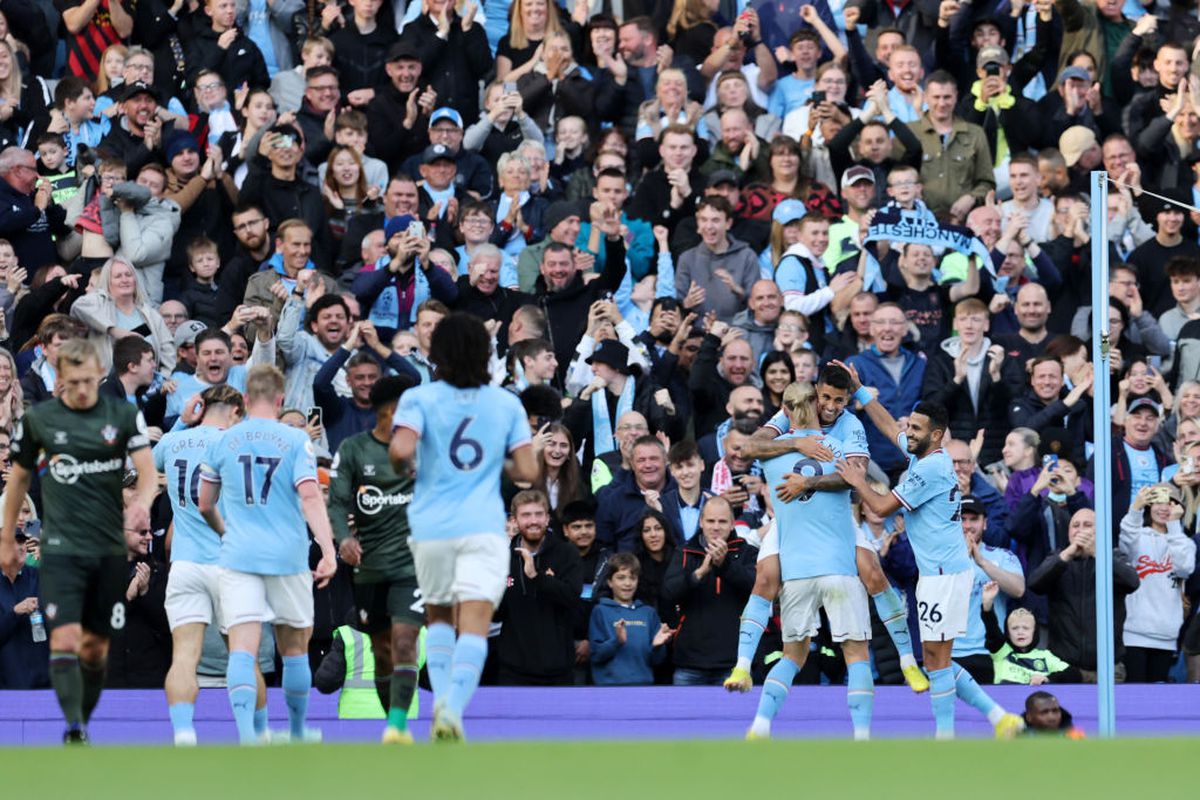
<point>358,698</point>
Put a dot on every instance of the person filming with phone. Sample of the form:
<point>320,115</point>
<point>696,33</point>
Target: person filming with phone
<point>24,649</point>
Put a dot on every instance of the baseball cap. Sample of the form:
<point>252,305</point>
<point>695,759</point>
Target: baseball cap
<point>855,174</point>
<point>445,113</point>
<point>971,504</point>
<point>397,225</point>
<point>722,176</point>
<point>401,51</point>
<point>140,87</point>
<point>992,54</point>
<point>789,210</point>
<point>1078,73</point>
<point>1074,142</point>
<point>187,332</point>
<point>436,152</point>
<point>1143,402</point>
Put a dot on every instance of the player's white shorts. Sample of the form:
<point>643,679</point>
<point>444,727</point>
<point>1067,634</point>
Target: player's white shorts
<point>842,596</point>
<point>193,594</point>
<point>282,599</point>
<point>770,542</point>
<point>943,604</point>
<point>471,567</point>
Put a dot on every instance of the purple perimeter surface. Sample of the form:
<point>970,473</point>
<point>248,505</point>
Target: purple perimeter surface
<point>506,713</point>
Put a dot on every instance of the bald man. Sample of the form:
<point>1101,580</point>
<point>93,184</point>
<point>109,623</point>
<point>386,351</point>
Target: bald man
<point>760,316</point>
<point>1032,309</point>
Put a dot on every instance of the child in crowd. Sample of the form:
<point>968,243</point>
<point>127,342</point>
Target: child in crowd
<point>627,638</point>
<point>52,165</point>
<point>200,291</point>
<point>1016,658</point>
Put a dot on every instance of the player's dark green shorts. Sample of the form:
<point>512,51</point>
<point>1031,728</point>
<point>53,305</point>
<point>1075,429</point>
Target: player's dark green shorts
<point>380,604</point>
<point>87,590</point>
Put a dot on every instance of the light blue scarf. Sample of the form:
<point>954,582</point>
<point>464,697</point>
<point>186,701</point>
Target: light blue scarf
<point>602,431</point>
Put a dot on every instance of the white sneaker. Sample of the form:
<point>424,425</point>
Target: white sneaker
<point>185,738</point>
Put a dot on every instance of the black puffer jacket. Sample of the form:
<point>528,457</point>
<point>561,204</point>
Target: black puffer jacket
<point>709,609</point>
<point>241,62</point>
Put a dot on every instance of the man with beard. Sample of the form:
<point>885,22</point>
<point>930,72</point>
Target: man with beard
<point>1032,310</point>
<point>136,136</point>
<point>735,476</point>
<point>536,646</point>
<point>305,348</point>
<point>252,229</point>
<point>214,364</point>
<point>745,403</point>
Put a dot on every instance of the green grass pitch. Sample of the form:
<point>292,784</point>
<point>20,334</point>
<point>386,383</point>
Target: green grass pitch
<point>732,770</point>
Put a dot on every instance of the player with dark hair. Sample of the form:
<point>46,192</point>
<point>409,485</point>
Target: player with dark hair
<point>367,486</point>
<point>930,497</point>
<point>460,431</point>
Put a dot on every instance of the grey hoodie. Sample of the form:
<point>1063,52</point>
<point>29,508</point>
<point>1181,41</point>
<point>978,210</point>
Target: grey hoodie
<point>698,264</point>
<point>761,337</point>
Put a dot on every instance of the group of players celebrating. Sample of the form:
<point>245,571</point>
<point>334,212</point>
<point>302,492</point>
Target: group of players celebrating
<point>429,541</point>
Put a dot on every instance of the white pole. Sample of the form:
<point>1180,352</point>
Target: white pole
<point>1102,457</point>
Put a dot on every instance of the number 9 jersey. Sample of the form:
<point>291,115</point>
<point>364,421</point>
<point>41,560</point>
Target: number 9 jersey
<point>464,437</point>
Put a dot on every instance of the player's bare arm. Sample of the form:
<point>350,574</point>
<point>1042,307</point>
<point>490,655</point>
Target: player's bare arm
<point>855,474</point>
<point>403,446</point>
<point>795,485</point>
<point>878,415</point>
<point>312,505</point>
<point>522,466</point>
<point>763,444</point>
<point>210,493</point>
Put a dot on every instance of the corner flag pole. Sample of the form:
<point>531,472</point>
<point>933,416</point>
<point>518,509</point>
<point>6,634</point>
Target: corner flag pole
<point>1102,458</point>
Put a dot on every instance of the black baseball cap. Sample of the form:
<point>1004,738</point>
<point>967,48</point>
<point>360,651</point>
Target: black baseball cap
<point>973,505</point>
<point>139,87</point>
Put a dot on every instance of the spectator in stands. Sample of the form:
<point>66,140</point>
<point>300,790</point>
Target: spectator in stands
<point>622,503</point>
<point>140,652</point>
<point>627,639</point>
<point>24,658</point>
<point>710,583</point>
<point>536,646</point>
<point>117,308</point>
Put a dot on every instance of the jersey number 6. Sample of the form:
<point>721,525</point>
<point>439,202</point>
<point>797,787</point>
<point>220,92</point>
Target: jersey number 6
<point>461,442</point>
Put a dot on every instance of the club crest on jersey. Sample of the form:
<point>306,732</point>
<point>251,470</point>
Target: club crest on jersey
<point>60,437</point>
<point>109,434</point>
<point>369,470</point>
<point>51,611</point>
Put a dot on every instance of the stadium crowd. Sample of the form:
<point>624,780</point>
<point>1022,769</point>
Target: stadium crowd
<point>665,213</point>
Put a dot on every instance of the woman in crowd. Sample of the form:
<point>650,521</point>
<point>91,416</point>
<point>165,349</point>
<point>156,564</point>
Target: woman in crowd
<point>777,373</point>
<point>345,189</point>
<point>733,91</point>
<point>117,308</point>
<point>1020,458</point>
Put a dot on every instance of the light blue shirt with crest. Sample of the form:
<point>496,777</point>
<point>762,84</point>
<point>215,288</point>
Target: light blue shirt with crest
<point>930,497</point>
<point>179,455</point>
<point>816,530</point>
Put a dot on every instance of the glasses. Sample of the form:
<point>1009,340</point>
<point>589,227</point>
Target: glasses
<point>138,67</point>
<point>245,226</point>
<point>210,86</point>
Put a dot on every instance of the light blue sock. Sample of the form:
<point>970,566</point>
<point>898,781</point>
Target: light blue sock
<point>297,682</point>
<point>469,654</point>
<point>971,694</point>
<point>439,653</point>
<point>941,695</point>
<point>755,617</point>
<point>261,720</point>
<point>775,689</point>
<point>891,611</point>
<point>860,696</point>
<point>181,717</point>
<point>240,678</point>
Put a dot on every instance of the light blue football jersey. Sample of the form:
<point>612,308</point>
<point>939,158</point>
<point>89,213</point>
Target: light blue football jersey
<point>188,385</point>
<point>847,429</point>
<point>179,455</point>
<point>259,464</point>
<point>465,436</point>
<point>930,497</point>
<point>816,530</point>
<point>975,642</point>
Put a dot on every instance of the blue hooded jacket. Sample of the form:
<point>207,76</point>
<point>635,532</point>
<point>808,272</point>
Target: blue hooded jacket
<point>632,663</point>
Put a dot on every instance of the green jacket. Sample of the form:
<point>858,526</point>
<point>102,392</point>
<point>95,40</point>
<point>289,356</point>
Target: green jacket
<point>963,166</point>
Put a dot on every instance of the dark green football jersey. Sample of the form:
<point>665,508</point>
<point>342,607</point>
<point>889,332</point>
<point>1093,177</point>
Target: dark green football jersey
<point>363,484</point>
<point>80,457</point>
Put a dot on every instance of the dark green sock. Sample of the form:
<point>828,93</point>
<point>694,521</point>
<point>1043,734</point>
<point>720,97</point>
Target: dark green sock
<point>68,686</point>
<point>383,688</point>
<point>93,682</point>
<point>404,683</point>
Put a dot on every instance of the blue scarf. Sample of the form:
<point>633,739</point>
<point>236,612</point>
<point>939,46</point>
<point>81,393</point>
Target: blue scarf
<point>602,432</point>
